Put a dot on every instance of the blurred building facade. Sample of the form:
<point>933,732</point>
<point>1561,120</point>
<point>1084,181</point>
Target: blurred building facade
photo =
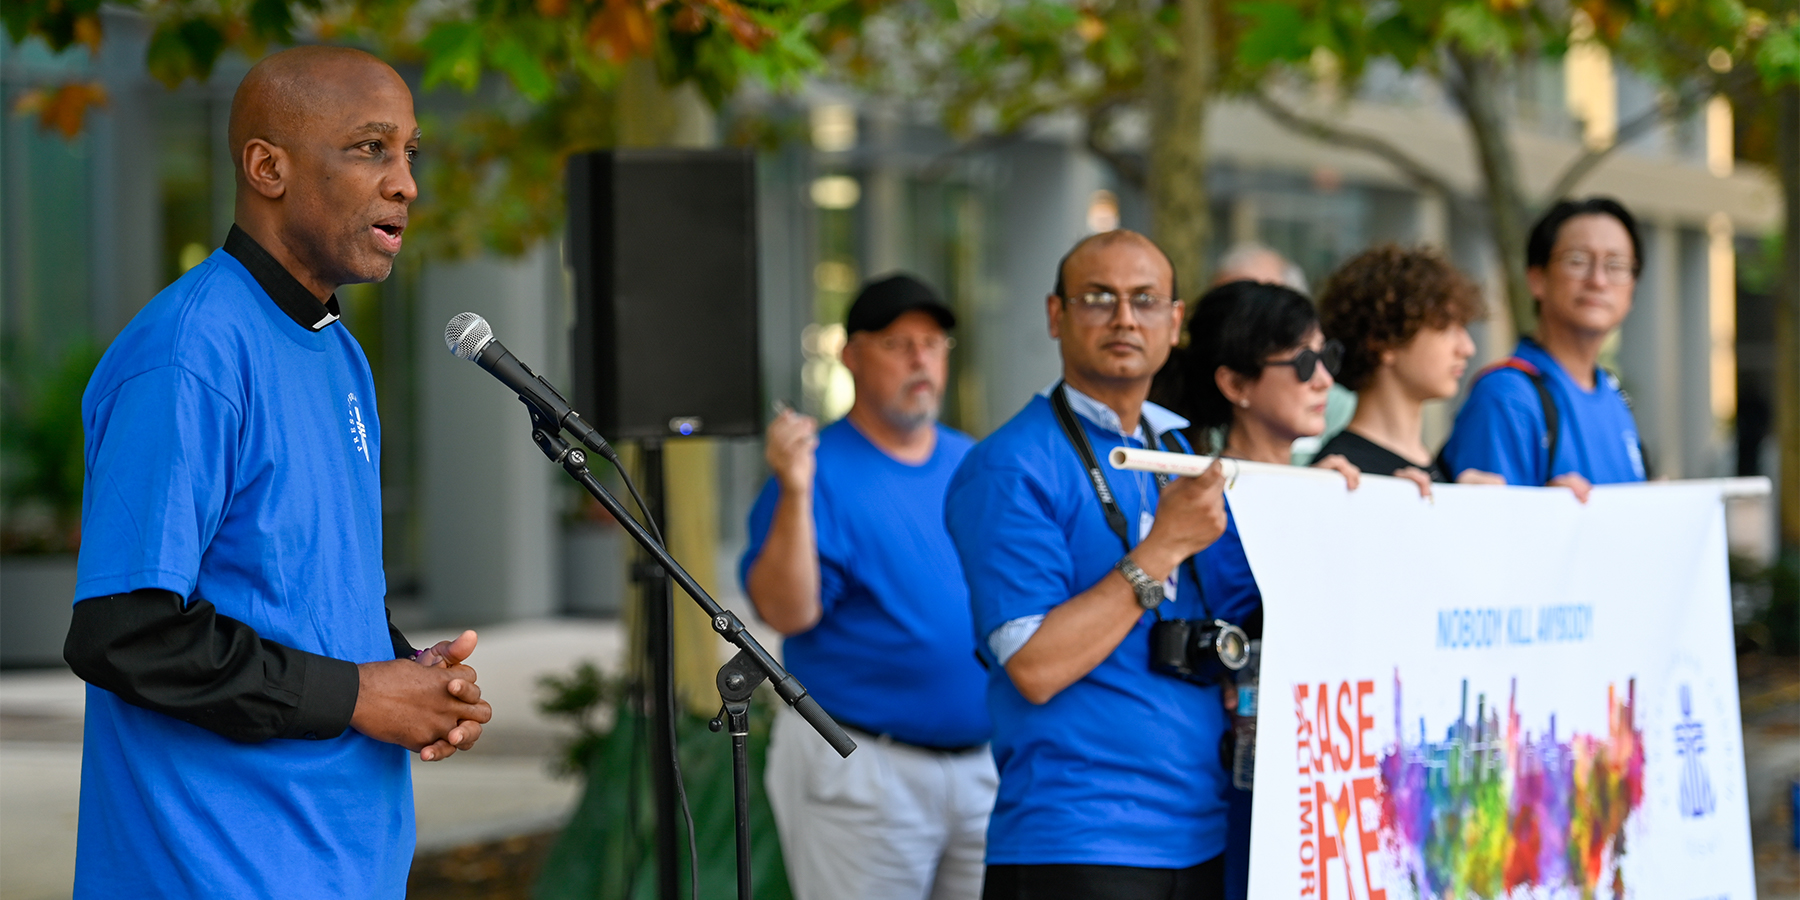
<point>480,528</point>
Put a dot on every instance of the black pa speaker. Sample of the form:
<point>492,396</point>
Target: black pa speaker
<point>663,243</point>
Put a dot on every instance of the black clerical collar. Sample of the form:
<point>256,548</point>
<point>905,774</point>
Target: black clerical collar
<point>280,284</point>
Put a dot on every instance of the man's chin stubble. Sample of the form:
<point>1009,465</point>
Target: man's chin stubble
<point>909,420</point>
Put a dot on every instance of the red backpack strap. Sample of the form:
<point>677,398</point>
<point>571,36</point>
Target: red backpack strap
<point>1552,421</point>
<point>1512,362</point>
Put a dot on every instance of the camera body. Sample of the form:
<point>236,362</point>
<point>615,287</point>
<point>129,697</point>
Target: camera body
<point>1197,650</point>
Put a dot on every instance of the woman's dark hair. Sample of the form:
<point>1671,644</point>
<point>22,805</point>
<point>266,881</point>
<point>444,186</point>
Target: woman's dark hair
<point>1543,234</point>
<point>1382,297</point>
<point>1237,325</point>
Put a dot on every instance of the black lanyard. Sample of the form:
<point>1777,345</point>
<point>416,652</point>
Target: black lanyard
<point>1115,517</point>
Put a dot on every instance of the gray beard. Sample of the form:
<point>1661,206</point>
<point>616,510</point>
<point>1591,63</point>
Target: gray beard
<point>913,419</point>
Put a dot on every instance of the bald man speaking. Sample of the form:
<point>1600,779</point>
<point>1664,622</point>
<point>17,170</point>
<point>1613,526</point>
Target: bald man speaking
<point>249,707</point>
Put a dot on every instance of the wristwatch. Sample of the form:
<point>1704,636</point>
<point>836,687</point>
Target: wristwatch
<point>1149,591</point>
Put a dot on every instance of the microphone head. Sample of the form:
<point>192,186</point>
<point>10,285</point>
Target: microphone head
<point>467,335</point>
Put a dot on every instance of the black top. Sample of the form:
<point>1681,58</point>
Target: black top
<point>1374,458</point>
<point>184,659</point>
<point>281,285</point>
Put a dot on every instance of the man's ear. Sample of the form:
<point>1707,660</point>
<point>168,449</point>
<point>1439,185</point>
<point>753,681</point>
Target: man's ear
<point>851,355</point>
<point>1177,309</point>
<point>1052,307</point>
<point>266,168</point>
<point>1537,280</point>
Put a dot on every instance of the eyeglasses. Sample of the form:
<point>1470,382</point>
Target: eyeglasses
<point>1580,264</point>
<point>1306,362</point>
<point>1100,306</point>
<point>932,346</point>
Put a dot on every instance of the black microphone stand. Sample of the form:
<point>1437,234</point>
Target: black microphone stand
<point>739,677</point>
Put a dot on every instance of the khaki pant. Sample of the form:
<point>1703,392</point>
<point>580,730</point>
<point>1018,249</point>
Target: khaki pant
<point>891,822</point>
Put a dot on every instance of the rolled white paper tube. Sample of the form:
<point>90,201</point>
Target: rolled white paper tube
<point>1135,460</point>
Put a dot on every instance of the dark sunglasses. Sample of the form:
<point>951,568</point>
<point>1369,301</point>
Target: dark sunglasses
<point>1306,362</point>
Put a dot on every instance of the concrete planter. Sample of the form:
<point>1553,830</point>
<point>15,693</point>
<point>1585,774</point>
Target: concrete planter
<point>36,595</point>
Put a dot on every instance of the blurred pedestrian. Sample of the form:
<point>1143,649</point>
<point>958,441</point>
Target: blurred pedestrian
<point>1550,415</point>
<point>849,558</point>
<point>1110,776</point>
<point>248,700</point>
<point>1251,261</point>
<point>1401,316</point>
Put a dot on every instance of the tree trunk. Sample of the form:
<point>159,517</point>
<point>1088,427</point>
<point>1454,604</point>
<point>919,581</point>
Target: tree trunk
<point>1478,91</point>
<point>1179,88</point>
<point>1787,323</point>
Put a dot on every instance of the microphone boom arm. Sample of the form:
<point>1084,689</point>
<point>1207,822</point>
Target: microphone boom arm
<point>546,434</point>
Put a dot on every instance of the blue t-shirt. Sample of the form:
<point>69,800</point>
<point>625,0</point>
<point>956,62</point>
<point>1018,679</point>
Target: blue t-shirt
<point>1121,767</point>
<point>233,455</point>
<point>1501,427</point>
<point>894,651</point>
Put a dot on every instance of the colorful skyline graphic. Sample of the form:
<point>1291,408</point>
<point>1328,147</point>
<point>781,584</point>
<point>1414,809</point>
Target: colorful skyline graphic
<point>1491,809</point>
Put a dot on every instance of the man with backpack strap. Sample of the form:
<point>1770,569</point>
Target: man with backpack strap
<point>1550,415</point>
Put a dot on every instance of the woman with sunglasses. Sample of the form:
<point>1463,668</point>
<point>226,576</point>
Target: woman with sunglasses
<point>1253,380</point>
<point>1402,317</point>
<point>1258,368</point>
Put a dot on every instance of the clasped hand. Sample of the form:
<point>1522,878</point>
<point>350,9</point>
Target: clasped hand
<point>430,705</point>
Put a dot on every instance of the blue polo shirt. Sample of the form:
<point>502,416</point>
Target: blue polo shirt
<point>894,651</point>
<point>1501,427</point>
<point>1121,767</point>
<point>233,455</point>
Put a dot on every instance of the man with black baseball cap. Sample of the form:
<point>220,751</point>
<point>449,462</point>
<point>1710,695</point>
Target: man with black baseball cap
<point>850,559</point>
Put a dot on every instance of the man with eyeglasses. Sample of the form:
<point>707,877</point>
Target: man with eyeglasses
<point>1111,784</point>
<point>849,558</point>
<point>1550,415</point>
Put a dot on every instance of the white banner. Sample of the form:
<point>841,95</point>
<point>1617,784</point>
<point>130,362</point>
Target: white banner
<point>1502,693</point>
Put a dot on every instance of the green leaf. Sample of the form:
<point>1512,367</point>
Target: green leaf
<point>1398,37</point>
<point>183,48</point>
<point>1479,30</point>
<point>272,20</point>
<point>1778,58</point>
<point>1275,34</point>
<point>527,72</point>
<point>453,54</point>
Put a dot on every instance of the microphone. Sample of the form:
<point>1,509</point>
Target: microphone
<point>470,337</point>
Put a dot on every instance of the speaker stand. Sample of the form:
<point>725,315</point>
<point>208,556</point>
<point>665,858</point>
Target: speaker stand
<point>658,597</point>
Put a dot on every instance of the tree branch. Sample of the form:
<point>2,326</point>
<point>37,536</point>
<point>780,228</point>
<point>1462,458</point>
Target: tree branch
<point>1412,169</point>
<point>1590,158</point>
<point>1128,166</point>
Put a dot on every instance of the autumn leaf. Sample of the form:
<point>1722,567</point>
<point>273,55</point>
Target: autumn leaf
<point>61,109</point>
<point>688,20</point>
<point>87,32</point>
<point>744,29</point>
<point>624,28</point>
<point>1090,27</point>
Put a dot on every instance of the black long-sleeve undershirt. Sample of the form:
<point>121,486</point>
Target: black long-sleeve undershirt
<point>187,661</point>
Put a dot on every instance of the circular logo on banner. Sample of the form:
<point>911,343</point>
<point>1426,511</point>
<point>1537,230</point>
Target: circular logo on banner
<point>1688,747</point>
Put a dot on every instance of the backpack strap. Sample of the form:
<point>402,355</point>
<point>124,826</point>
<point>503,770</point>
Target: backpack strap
<point>1552,421</point>
<point>1618,384</point>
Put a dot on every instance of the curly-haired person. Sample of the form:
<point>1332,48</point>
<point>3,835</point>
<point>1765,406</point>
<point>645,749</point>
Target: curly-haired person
<point>1402,316</point>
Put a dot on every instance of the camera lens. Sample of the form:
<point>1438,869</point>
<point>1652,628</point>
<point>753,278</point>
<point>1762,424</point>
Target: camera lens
<point>1232,645</point>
